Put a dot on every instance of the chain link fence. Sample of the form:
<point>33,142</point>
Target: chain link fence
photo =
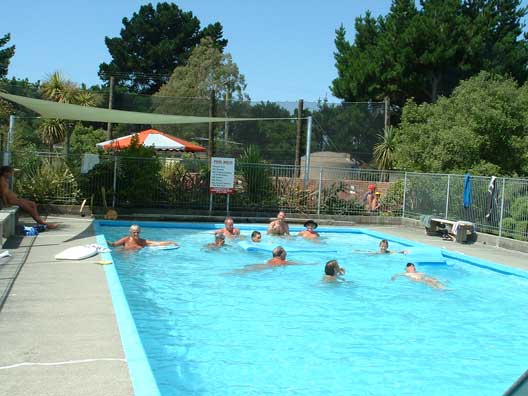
<point>180,185</point>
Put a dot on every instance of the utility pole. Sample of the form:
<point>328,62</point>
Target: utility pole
<point>298,139</point>
<point>226,114</point>
<point>387,112</point>
<point>110,105</point>
<point>212,113</point>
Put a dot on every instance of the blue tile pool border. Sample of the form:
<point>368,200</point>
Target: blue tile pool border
<point>139,369</point>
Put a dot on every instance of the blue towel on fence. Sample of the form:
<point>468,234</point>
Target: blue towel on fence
<point>467,190</point>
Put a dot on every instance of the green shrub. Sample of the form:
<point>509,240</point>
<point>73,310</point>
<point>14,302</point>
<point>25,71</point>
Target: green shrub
<point>51,181</point>
<point>508,226</point>
<point>519,208</point>
<point>255,175</point>
<point>392,200</point>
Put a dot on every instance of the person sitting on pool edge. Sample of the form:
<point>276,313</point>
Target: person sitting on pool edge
<point>279,257</point>
<point>218,242</point>
<point>309,233</point>
<point>133,241</point>
<point>384,248</point>
<point>256,237</point>
<point>410,273</point>
<point>333,271</point>
<point>279,226</point>
<point>229,229</point>
<point>10,198</point>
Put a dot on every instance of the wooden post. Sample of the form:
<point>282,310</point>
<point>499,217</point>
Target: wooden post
<point>387,112</point>
<point>212,112</point>
<point>110,105</point>
<point>226,114</point>
<point>298,139</point>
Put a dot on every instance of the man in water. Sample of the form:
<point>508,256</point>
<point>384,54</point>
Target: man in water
<point>256,237</point>
<point>229,229</point>
<point>310,233</point>
<point>333,271</point>
<point>384,248</point>
<point>279,226</point>
<point>10,198</point>
<point>134,241</point>
<point>278,257</point>
<point>410,273</point>
<point>218,242</point>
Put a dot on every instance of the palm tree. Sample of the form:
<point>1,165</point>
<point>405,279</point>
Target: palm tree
<point>59,89</point>
<point>384,149</point>
<point>52,130</point>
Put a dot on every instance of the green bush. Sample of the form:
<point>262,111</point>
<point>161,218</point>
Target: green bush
<point>392,200</point>
<point>508,226</point>
<point>519,208</point>
<point>521,230</point>
<point>51,181</point>
<point>255,175</point>
<point>332,204</point>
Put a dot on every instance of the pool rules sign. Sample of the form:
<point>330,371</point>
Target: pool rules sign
<point>222,175</point>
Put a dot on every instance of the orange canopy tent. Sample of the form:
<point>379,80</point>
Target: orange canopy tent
<point>152,138</point>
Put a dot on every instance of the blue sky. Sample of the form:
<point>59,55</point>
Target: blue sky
<point>284,48</point>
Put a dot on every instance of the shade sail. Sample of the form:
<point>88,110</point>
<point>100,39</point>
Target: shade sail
<point>153,138</point>
<point>66,111</point>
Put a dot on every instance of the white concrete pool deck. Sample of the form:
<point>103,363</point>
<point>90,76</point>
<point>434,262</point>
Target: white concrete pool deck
<point>61,312</point>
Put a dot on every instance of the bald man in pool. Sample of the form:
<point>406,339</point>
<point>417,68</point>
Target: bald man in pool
<point>412,274</point>
<point>229,230</point>
<point>134,241</point>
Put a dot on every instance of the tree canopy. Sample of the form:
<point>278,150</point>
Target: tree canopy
<point>154,42</point>
<point>5,54</point>
<point>206,70</point>
<point>424,52</point>
<point>481,128</point>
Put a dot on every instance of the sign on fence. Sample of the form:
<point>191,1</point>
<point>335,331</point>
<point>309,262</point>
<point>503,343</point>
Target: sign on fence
<point>222,175</point>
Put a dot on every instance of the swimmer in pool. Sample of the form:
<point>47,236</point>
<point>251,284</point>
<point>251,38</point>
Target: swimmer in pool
<point>410,273</point>
<point>278,257</point>
<point>278,260</point>
<point>333,271</point>
<point>229,230</point>
<point>309,233</point>
<point>384,248</point>
<point>256,237</point>
<point>134,241</point>
<point>279,226</point>
<point>218,242</point>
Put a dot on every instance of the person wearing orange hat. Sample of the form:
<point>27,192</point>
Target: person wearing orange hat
<point>369,196</point>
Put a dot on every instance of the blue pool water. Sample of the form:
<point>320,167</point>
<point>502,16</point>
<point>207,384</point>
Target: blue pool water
<point>282,331</point>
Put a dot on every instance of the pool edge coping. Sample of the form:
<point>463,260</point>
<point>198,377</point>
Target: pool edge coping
<point>141,375</point>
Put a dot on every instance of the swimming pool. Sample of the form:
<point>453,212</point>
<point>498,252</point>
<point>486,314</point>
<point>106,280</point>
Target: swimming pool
<point>206,331</point>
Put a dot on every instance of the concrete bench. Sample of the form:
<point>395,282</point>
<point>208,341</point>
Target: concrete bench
<point>464,229</point>
<point>8,222</point>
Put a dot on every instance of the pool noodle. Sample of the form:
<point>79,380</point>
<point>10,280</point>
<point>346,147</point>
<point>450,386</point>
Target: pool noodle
<point>425,256</point>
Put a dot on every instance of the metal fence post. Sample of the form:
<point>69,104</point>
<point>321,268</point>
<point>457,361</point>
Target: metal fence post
<point>447,196</point>
<point>501,212</point>
<point>319,191</point>
<point>404,193</point>
<point>115,183</point>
